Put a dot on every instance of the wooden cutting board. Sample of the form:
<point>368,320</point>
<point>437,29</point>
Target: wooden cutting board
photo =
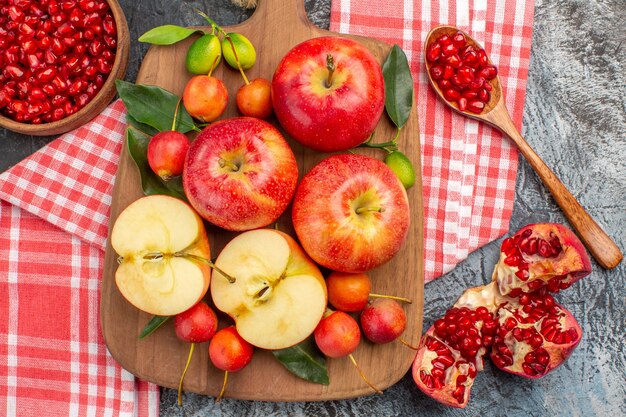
<point>274,28</point>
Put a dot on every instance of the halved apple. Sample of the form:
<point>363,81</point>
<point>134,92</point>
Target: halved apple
<point>279,294</point>
<point>162,244</point>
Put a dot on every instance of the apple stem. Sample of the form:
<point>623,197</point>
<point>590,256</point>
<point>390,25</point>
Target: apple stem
<point>221,394</point>
<point>393,297</point>
<point>363,375</point>
<point>369,209</point>
<point>330,65</point>
<point>407,344</point>
<point>182,377</point>
<point>226,163</point>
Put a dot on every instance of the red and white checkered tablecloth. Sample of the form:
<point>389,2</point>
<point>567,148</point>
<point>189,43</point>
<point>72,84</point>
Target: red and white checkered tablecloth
<point>54,209</point>
<point>468,169</point>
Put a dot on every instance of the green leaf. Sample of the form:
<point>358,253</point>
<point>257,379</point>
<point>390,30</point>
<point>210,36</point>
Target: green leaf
<point>152,325</point>
<point>167,34</point>
<point>154,106</point>
<point>398,86</point>
<point>305,361</point>
<point>151,183</point>
<point>148,130</point>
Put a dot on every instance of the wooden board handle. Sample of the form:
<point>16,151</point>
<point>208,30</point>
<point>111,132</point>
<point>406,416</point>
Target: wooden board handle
<point>287,13</point>
<point>601,246</point>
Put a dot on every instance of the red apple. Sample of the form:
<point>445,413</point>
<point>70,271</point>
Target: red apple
<point>323,108</point>
<point>240,174</point>
<point>351,213</point>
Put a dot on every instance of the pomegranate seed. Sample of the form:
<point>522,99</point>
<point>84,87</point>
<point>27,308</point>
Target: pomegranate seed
<point>444,40</point>
<point>13,71</point>
<point>436,72</point>
<point>475,106</point>
<point>444,84</point>
<point>432,52</point>
<point>108,24</point>
<point>15,14</point>
<point>88,5</point>
<point>450,49</point>
<point>466,74</point>
<point>454,61</point>
<point>462,103</point>
<point>451,94</point>
<point>469,94</point>
<point>482,58</point>
<point>470,59</point>
<point>103,66</point>
<point>459,40</point>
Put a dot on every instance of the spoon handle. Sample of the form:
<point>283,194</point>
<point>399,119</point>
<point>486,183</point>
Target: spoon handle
<point>603,249</point>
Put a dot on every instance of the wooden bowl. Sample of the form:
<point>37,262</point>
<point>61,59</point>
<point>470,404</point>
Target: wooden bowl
<point>102,98</point>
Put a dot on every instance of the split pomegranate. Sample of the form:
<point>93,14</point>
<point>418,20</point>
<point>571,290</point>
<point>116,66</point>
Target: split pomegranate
<point>526,332</point>
<point>55,56</point>
<point>461,71</point>
<point>540,255</point>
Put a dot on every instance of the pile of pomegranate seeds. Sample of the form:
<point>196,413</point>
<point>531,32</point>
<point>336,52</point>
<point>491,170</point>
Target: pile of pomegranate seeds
<point>55,56</point>
<point>461,71</point>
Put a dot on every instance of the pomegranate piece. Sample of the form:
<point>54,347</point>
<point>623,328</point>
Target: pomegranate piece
<point>535,335</point>
<point>442,373</point>
<point>466,66</point>
<point>538,255</point>
<point>451,352</point>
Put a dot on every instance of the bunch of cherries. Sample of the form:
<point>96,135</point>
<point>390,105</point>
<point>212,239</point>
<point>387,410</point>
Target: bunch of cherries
<point>55,56</point>
<point>462,71</point>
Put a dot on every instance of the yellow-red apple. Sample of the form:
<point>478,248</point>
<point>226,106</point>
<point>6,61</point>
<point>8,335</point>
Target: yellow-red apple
<point>279,294</point>
<point>351,213</point>
<point>240,174</point>
<point>161,242</point>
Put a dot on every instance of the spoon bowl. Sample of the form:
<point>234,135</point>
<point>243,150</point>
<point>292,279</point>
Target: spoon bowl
<point>495,113</point>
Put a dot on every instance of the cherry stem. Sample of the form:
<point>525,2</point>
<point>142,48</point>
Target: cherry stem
<point>214,25</point>
<point>393,297</point>
<point>330,65</point>
<point>213,65</point>
<point>369,209</point>
<point>175,115</point>
<point>182,377</point>
<point>363,375</point>
<point>407,344</point>
<point>232,45</point>
<point>223,390</point>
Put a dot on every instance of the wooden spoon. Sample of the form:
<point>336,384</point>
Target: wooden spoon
<point>603,249</point>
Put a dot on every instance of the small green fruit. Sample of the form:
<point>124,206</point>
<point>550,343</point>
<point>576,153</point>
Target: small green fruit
<point>245,51</point>
<point>402,167</point>
<point>204,54</point>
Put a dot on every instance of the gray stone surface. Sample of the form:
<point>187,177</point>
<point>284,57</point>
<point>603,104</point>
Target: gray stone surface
<point>575,118</point>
